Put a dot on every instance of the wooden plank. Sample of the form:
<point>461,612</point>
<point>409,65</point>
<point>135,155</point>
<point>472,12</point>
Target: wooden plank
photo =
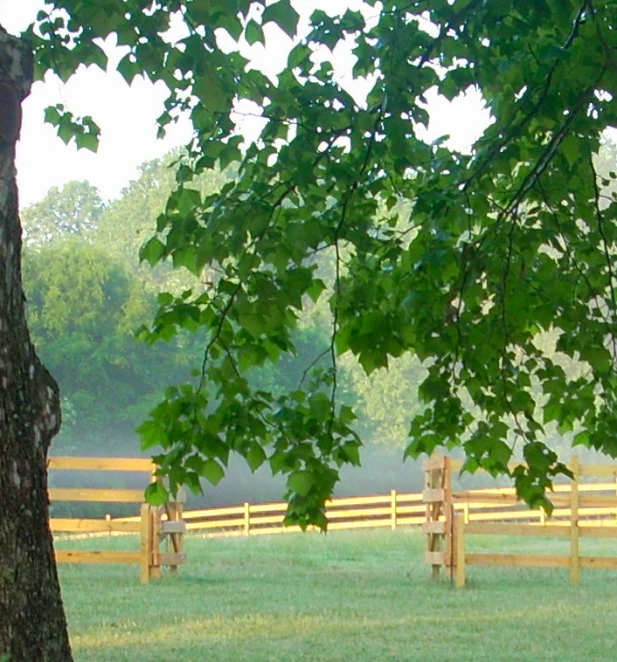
<point>498,498</point>
<point>173,527</point>
<point>155,537</point>
<point>409,510</point>
<point>145,545</point>
<point>518,560</point>
<point>179,538</point>
<point>100,464</point>
<point>597,501</point>
<point>558,513</point>
<point>434,558</point>
<point>434,527</point>
<point>96,494</point>
<point>433,495</point>
<point>499,529</point>
<point>67,525</point>
<point>594,487</point>
<point>599,562</point>
<point>459,549</point>
<point>598,531</point>
<point>503,515</point>
<point>481,491</point>
<point>436,461</point>
<point>133,518</point>
<point>265,508</point>
<point>213,512</point>
<point>265,519</point>
<point>358,513</point>
<point>582,512</point>
<point>90,556</point>
<point>247,518</point>
<point>411,521</point>
<point>574,532</point>
<point>599,523</point>
<point>359,501</point>
<point>598,470</point>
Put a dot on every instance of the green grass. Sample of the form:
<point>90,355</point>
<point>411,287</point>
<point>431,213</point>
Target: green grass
<point>352,597</point>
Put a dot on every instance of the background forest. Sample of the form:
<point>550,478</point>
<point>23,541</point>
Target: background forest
<point>88,294</point>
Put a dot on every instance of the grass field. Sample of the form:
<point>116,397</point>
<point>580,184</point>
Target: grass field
<point>357,596</point>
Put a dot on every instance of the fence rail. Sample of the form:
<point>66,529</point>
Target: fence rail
<point>383,510</point>
<point>152,525</point>
<point>447,517</point>
<point>582,510</point>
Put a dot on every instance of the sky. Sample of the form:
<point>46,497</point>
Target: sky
<point>127,117</point>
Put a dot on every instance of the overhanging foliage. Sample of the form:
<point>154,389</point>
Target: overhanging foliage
<point>504,245</point>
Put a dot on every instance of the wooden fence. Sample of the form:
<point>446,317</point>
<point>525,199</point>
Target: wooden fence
<point>153,525</point>
<point>582,510</point>
<point>385,510</point>
<point>448,517</point>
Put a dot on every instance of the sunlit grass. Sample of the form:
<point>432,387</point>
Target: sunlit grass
<point>362,596</point>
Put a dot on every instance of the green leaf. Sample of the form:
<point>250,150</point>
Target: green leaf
<point>282,14</point>
<point>152,251</point>
<point>255,457</point>
<point>53,114</point>
<point>212,471</point>
<point>87,141</point>
<point>156,494</point>
<point>301,482</point>
<point>254,33</point>
<point>320,406</point>
<point>151,434</point>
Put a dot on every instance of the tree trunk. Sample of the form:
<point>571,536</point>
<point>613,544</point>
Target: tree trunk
<point>32,622</point>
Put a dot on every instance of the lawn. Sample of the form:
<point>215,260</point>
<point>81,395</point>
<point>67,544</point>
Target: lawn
<point>352,597</point>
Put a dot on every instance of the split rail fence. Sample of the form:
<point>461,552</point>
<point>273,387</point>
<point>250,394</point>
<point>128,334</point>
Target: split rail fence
<point>581,510</point>
<point>380,511</point>
<point>154,525</point>
<point>585,507</point>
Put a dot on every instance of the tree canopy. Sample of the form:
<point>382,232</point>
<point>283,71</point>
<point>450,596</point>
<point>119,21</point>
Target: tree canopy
<point>499,246</point>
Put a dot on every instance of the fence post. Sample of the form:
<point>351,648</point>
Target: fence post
<point>155,542</point>
<point>393,509</point>
<point>575,559</point>
<point>176,540</point>
<point>434,470</point>
<point>247,519</point>
<point>448,513</point>
<point>144,544</point>
<point>459,537</point>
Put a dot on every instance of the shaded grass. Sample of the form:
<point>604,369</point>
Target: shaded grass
<point>357,596</point>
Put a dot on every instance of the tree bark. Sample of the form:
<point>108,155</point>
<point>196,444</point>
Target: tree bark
<point>32,621</point>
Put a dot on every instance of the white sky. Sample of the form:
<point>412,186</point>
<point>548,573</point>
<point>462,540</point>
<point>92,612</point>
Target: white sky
<point>127,117</point>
